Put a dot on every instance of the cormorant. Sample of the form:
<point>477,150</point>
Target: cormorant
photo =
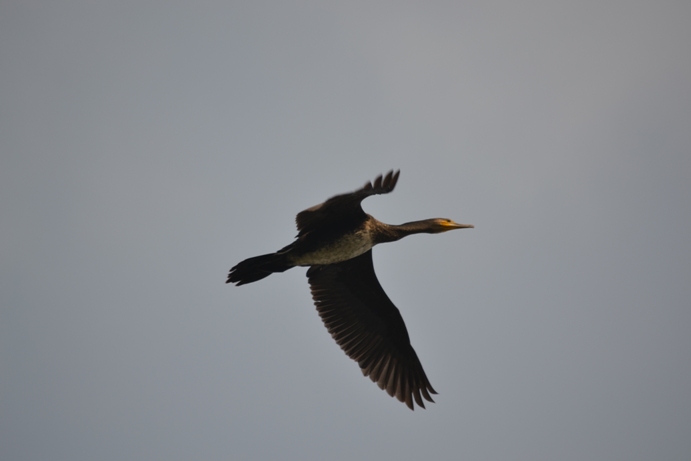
<point>335,239</point>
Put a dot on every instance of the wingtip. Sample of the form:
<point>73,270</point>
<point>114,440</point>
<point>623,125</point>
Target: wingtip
<point>394,178</point>
<point>386,182</point>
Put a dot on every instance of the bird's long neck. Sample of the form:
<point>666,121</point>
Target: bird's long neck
<point>393,232</point>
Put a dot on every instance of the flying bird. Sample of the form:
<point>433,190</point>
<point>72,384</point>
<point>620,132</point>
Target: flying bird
<point>335,240</point>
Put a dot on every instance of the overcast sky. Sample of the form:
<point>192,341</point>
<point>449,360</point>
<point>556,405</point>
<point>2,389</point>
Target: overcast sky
<point>148,146</point>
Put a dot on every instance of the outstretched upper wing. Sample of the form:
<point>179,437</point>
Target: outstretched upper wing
<point>345,207</point>
<point>368,327</point>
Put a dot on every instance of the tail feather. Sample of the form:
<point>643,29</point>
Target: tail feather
<point>253,269</point>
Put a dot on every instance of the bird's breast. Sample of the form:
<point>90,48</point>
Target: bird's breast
<point>343,248</point>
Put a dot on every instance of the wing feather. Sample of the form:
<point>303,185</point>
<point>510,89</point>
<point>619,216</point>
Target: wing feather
<point>367,325</point>
<point>344,208</point>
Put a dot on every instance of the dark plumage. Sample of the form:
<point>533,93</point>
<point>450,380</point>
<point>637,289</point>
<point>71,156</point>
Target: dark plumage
<point>335,239</point>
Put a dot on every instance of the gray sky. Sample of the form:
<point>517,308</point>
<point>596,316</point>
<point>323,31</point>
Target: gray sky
<point>146,147</point>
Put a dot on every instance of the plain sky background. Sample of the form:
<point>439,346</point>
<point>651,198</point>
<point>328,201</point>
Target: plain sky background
<point>148,146</point>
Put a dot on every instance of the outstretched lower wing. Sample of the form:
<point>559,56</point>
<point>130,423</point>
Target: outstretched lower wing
<point>368,327</point>
<point>344,208</point>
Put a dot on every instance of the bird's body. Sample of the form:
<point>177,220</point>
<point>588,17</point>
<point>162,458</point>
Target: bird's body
<point>335,239</point>
<point>336,250</point>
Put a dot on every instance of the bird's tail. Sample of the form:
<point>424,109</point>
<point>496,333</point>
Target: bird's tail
<point>253,269</point>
